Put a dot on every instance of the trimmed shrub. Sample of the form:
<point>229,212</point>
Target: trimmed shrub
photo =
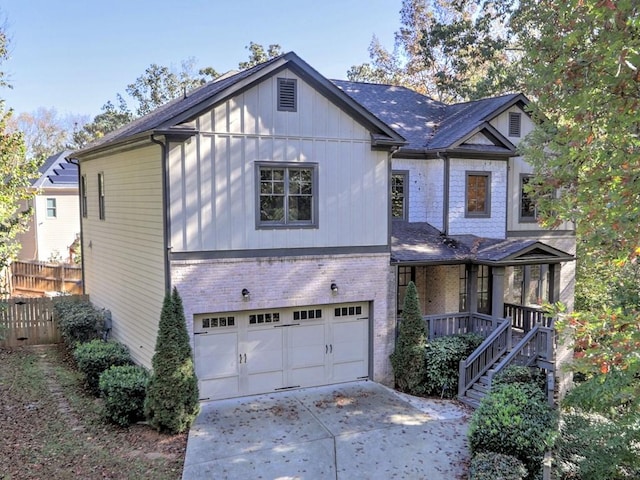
<point>442,358</point>
<point>407,359</point>
<point>96,356</point>
<point>172,394</point>
<point>123,389</point>
<point>514,419</point>
<point>79,321</point>
<point>496,466</point>
<point>522,375</point>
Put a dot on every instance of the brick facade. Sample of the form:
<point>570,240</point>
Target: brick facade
<point>210,286</point>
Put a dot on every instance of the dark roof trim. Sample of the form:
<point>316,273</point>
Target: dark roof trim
<point>520,99</point>
<point>300,67</point>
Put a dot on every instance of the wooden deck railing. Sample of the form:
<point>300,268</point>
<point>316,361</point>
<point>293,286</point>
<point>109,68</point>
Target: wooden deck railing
<point>536,348</point>
<point>458,323</point>
<point>41,277</point>
<point>526,318</point>
<point>489,351</point>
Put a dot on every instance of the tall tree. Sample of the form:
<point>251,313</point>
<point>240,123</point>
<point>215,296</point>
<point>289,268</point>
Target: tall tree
<point>258,54</point>
<point>448,49</point>
<point>584,57</point>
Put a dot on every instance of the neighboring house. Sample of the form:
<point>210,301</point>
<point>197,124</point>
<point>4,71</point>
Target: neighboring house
<point>291,211</point>
<point>55,224</point>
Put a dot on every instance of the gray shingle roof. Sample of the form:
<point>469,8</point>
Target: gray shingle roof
<point>420,242</point>
<point>424,122</point>
<point>411,114</point>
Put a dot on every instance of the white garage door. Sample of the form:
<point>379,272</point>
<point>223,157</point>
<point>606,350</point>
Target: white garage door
<point>245,353</point>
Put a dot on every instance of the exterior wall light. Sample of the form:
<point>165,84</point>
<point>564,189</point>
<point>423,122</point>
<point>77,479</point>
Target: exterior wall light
<point>334,288</point>
<point>245,294</point>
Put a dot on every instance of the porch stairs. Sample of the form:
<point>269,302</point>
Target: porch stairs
<point>533,349</point>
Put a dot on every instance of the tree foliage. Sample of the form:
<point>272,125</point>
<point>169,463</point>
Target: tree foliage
<point>584,57</point>
<point>408,360</point>
<point>447,49</point>
<point>258,54</point>
<point>172,395</point>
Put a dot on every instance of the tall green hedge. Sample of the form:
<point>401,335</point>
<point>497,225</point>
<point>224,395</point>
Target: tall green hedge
<point>172,394</point>
<point>408,358</point>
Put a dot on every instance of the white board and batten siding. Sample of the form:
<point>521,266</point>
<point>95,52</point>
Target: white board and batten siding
<point>248,128</point>
<point>123,254</point>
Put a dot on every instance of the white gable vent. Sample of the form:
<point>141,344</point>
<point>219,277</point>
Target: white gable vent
<point>514,124</point>
<point>287,99</point>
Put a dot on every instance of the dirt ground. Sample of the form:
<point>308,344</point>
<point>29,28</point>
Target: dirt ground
<point>52,429</point>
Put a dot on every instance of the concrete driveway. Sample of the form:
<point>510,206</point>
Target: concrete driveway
<point>346,431</point>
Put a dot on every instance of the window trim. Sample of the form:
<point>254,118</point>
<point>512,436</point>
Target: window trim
<point>487,204</point>
<point>513,132</point>
<point>83,196</point>
<point>405,194</point>
<point>262,225</point>
<point>53,208</point>
<point>101,196</point>
<point>521,218</point>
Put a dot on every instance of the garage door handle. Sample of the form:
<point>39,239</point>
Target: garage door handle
<point>326,349</point>
<point>331,348</point>
<point>245,358</point>
<point>240,358</point>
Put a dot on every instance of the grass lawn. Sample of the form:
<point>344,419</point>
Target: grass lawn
<point>52,429</point>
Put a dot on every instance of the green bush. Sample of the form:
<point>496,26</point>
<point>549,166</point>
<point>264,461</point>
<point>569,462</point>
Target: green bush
<point>407,359</point>
<point>96,356</point>
<point>514,419</point>
<point>79,321</point>
<point>172,395</point>
<point>496,466</point>
<point>442,359</point>
<point>123,389</point>
<point>522,375</point>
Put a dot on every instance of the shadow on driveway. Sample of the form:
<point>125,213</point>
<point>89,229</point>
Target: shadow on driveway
<point>345,431</point>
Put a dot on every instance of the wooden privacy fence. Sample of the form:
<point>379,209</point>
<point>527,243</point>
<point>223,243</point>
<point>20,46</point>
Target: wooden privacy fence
<point>41,277</point>
<point>30,321</point>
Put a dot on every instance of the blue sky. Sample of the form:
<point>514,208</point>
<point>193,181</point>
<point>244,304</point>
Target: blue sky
<point>75,55</point>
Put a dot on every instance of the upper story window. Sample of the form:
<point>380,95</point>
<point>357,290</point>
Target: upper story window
<point>528,210</point>
<point>399,195</point>
<point>515,124</point>
<point>287,195</point>
<point>287,95</point>
<point>52,209</point>
<point>101,212</point>
<point>83,196</point>
<point>478,194</point>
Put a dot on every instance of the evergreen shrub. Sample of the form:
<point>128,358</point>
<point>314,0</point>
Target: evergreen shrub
<point>172,394</point>
<point>79,321</point>
<point>123,389</point>
<point>96,356</point>
<point>514,419</point>
<point>496,466</point>
<point>407,359</point>
<point>522,375</point>
<point>442,358</point>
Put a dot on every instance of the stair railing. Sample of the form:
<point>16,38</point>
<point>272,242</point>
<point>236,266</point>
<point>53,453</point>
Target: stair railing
<point>483,357</point>
<point>535,348</point>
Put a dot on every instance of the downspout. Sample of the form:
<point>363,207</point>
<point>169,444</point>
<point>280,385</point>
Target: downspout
<point>445,210</point>
<point>82,250</point>
<point>166,221</point>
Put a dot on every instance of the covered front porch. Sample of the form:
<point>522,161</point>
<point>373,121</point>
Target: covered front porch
<point>493,287</point>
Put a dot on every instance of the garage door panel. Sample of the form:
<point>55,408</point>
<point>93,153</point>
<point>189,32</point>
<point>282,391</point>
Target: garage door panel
<point>349,341</point>
<point>217,355</point>
<point>264,382</point>
<point>308,376</point>
<point>219,387</point>
<point>307,346</point>
<point>264,350</point>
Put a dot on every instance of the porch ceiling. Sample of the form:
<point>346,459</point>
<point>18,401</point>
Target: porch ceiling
<point>422,243</point>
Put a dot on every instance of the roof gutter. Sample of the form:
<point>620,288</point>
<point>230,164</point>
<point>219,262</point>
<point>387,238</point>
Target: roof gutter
<point>445,189</point>
<point>166,220</point>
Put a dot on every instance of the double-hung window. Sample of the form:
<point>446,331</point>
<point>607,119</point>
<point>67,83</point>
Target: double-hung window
<point>52,208</point>
<point>101,210</point>
<point>528,210</point>
<point>478,194</point>
<point>287,195</point>
<point>399,195</point>
<point>83,195</point>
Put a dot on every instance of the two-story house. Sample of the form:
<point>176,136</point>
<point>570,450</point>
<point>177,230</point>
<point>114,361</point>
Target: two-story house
<point>290,211</point>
